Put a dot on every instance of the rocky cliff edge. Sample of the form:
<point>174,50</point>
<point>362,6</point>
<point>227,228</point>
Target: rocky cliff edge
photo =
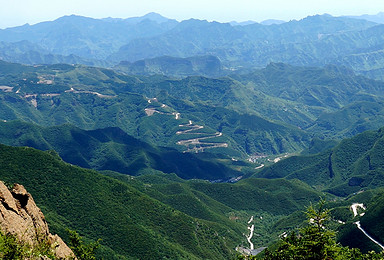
<point>20,217</point>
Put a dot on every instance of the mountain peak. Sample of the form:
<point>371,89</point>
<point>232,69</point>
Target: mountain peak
<point>272,21</point>
<point>155,17</point>
<point>318,17</point>
<point>74,17</point>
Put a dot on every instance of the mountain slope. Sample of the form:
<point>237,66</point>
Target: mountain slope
<point>157,215</point>
<point>352,119</point>
<point>154,109</point>
<point>112,149</point>
<point>189,38</point>
<point>315,41</point>
<point>308,92</point>
<point>92,204</point>
<point>266,200</point>
<point>355,164</point>
<point>243,44</point>
<point>372,220</point>
<point>86,37</point>
<point>171,66</point>
<point>29,53</point>
<point>236,115</point>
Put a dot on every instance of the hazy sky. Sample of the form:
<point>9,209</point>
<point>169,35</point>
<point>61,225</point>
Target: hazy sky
<point>19,12</point>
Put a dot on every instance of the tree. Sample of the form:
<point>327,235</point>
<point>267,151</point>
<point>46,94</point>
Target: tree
<point>13,248</point>
<point>81,250</point>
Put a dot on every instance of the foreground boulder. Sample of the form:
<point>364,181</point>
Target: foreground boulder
<point>20,217</point>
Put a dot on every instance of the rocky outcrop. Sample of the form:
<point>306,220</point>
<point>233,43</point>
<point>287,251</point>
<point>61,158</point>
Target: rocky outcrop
<point>20,216</point>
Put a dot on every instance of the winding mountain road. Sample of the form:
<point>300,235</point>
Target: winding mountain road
<point>196,144</point>
<point>89,92</point>
<point>354,207</point>
<point>367,235</point>
<point>251,229</point>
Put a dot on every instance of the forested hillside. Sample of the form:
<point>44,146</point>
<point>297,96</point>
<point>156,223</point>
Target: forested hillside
<point>353,165</point>
<point>140,218</point>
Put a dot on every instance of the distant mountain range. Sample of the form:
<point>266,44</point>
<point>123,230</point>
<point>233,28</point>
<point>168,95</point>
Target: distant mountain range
<point>378,18</point>
<point>265,22</point>
<point>87,37</point>
<point>254,43</point>
<point>315,40</point>
<point>272,21</point>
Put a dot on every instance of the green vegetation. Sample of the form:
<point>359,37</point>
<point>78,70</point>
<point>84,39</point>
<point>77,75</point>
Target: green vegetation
<point>81,250</point>
<point>93,98</point>
<point>86,201</point>
<point>354,164</point>
<point>313,99</point>
<point>259,112</point>
<point>316,241</point>
<point>371,221</point>
<point>309,97</point>
<point>234,204</point>
<point>351,119</point>
<point>112,149</point>
<point>352,169</point>
<point>12,248</point>
<point>157,215</point>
